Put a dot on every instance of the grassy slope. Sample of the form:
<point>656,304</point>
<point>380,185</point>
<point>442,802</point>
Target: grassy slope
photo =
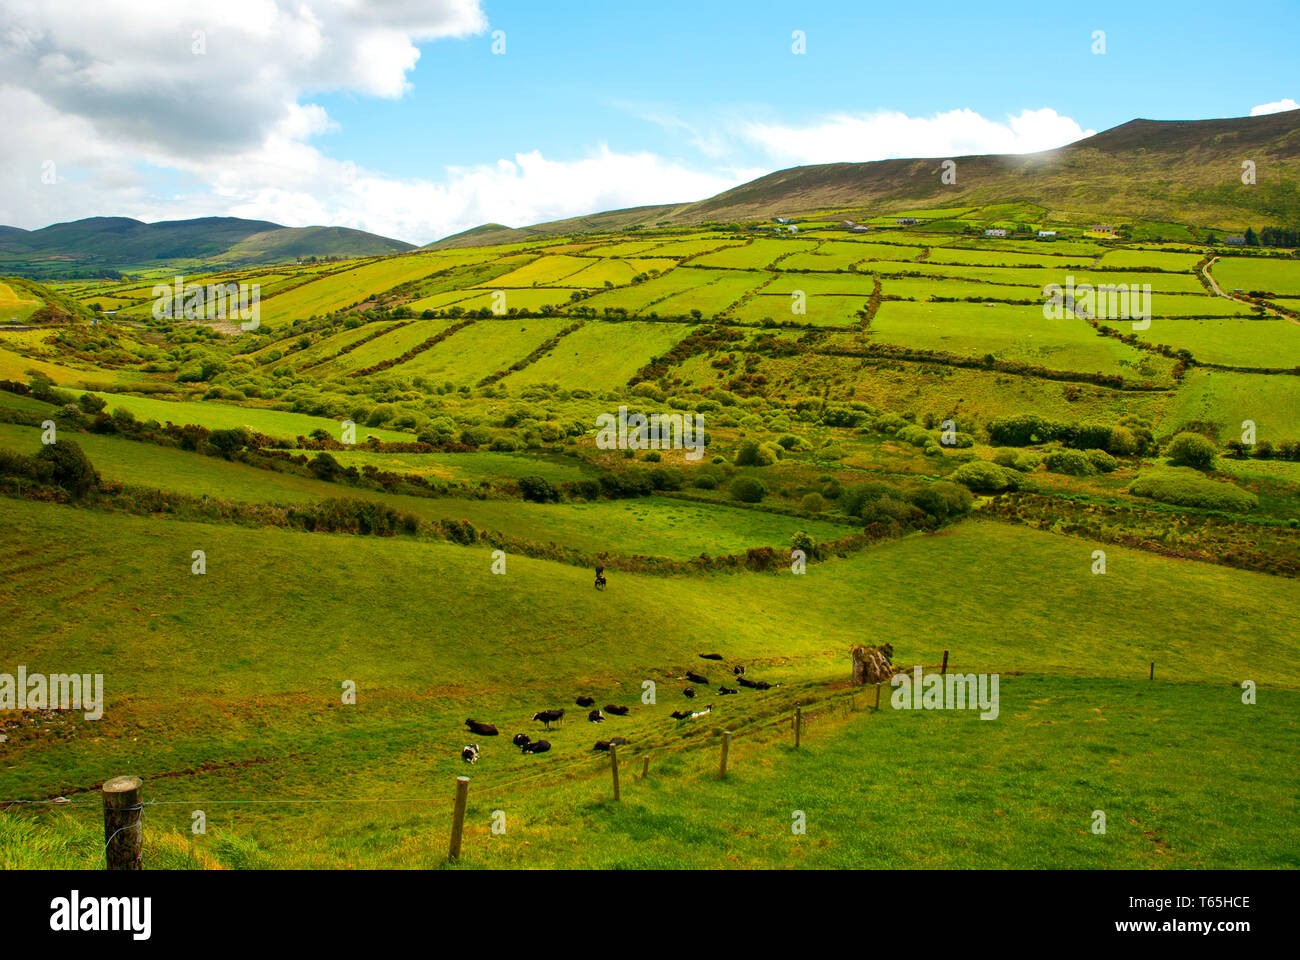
<point>192,678</point>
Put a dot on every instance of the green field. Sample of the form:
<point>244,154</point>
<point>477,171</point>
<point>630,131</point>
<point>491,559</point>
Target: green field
<point>1280,277</point>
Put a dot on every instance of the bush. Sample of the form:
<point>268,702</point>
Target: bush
<point>68,467</point>
<point>664,478</point>
<point>747,489</point>
<point>475,436</point>
<point>985,477</point>
<point>1186,488</point>
<point>1102,460</point>
<point>814,503</point>
<point>325,466</point>
<point>91,403</point>
<point>751,453</point>
<point>1192,450</point>
<point>538,489</point>
<point>1070,462</point>
<point>1123,442</point>
<point>943,499</point>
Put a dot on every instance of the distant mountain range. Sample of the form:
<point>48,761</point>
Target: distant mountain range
<point>111,244</point>
<point>1184,171</point>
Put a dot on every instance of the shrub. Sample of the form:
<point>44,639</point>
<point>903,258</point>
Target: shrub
<point>325,466</point>
<point>1123,442</point>
<point>747,489</point>
<point>943,499</point>
<point>653,456</point>
<point>69,467</point>
<point>985,477</point>
<point>475,436</point>
<point>1070,462</point>
<point>1192,450</point>
<point>665,478</point>
<point>1187,488</point>
<point>814,503</point>
<point>538,489</point>
<point>1102,460</point>
<point>91,403</point>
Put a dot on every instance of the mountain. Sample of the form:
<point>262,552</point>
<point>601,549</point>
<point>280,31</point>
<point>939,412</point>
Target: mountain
<point>493,233</point>
<point>109,244</point>
<point>1188,171</point>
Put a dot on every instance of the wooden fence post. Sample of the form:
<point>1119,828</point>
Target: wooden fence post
<point>877,706</point>
<point>614,768</point>
<point>1152,674</point>
<point>944,668</point>
<point>123,826</point>
<point>458,817</point>
<point>798,725</point>
<point>726,745</point>
<point>645,766</point>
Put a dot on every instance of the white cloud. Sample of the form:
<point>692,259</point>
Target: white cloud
<point>887,133</point>
<point>1286,103</point>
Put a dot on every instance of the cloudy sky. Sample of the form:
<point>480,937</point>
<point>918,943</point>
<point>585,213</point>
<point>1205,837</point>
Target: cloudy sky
<point>419,119</point>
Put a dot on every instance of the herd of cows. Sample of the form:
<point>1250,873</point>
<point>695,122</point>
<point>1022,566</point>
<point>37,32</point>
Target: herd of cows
<point>470,753</point>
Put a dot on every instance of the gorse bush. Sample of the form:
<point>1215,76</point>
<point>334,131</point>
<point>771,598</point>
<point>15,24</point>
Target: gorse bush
<point>1070,462</point>
<point>747,489</point>
<point>1185,487</point>
<point>985,477</point>
<point>1192,450</point>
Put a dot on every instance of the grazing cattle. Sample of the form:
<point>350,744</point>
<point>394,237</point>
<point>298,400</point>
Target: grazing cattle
<point>537,746</point>
<point>521,739</point>
<point>700,713</point>
<point>710,656</point>
<point>548,717</point>
<point>604,745</point>
<point>618,741</point>
<point>596,716</point>
<point>726,690</point>
<point>586,701</point>
<point>680,715</point>
<point>754,684</point>
<point>696,678</point>
<point>616,710</point>
<point>482,729</point>
<point>469,753</point>
<point>737,670</point>
<point>689,691</point>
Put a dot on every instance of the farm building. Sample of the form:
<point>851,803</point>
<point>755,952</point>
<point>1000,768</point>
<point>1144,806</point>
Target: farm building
<point>1236,240</point>
<point>906,221</point>
<point>995,232</point>
<point>782,219</point>
<point>1047,234</point>
<point>860,229</point>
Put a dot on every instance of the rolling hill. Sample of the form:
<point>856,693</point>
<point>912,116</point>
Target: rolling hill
<point>98,244</point>
<point>1186,171</point>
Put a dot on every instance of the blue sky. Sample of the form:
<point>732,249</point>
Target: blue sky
<point>397,117</point>
<point>575,74</point>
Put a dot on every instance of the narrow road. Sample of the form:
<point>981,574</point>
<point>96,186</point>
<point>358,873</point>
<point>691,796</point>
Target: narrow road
<point>1268,311</point>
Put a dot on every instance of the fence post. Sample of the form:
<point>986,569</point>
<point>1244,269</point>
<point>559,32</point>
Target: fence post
<point>613,766</point>
<point>944,668</point>
<point>877,706</point>
<point>123,829</point>
<point>1152,674</point>
<point>726,745</point>
<point>798,725</point>
<point>458,817</point>
<point>645,766</point>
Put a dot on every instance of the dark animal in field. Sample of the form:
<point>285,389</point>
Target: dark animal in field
<point>605,744</point>
<point>596,716</point>
<point>737,670</point>
<point>586,701</point>
<point>726,690</point>
<point>521,739</point>
<point>482,729</point>
<point>548,717</point>
<point>755,684</point>
<point>696,678</point>
<point>689,691</point>
<point>469,753</point>
<point>680,715</point>
<point>616,710</point>
<point>710,656</point>
<point>537,746</point>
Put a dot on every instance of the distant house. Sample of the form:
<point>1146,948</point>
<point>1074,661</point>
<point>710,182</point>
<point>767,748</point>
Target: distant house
<point>1236,240</point>
<point>1045,234</point>
<point>860,229</point>
<point>1101,230</point>
<point>793,228</point>
<point>782,219</point>
<point>995,232</point>
<point>906,221</point>
<point>847,224</point>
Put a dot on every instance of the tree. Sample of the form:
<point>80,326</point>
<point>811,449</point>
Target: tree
<point>1251,239</point>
